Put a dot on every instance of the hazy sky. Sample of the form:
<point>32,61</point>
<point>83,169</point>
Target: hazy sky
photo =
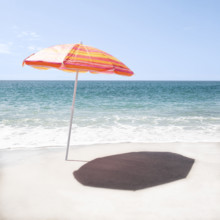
<point>157,39</point>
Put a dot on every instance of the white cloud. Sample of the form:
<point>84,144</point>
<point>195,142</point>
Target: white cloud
<point>5,48</point>
<point>34,34</point>
<point>34,48</point>
<point>30,35</point>
<point>14,27</point>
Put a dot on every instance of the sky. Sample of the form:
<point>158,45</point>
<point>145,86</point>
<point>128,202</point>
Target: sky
<point>156,39</point>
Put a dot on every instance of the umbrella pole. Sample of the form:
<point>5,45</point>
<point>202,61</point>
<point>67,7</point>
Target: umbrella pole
<point>71,117</point>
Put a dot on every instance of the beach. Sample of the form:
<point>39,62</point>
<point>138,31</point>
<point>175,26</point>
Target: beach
<point>39,184</point>
<point>113,116</point>
<point>110,117</point>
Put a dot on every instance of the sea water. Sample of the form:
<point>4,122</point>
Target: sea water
<point>37,113</point>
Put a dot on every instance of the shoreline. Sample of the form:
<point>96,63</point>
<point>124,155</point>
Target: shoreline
<point>39,184</point>
<point>109,143</point>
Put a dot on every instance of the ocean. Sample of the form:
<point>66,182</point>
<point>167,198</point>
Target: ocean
<point>37,113</point>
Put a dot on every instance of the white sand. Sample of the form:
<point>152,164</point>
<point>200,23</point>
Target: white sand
<point>38,184</point>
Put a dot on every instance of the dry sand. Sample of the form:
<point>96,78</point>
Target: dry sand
<point>39,184</point>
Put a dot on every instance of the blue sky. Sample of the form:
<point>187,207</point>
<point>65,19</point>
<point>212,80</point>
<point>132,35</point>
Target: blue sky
<point>157,39</point>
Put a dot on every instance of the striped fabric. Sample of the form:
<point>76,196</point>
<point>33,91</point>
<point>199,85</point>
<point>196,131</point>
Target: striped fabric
<point>77,57</point>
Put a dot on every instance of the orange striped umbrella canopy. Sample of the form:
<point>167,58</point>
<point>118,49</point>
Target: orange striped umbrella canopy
<point>77,58</point>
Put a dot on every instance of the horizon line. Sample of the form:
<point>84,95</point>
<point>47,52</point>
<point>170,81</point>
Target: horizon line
<point>156,80</point>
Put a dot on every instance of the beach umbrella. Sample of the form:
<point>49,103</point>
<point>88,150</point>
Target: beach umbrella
<point>77,58</point>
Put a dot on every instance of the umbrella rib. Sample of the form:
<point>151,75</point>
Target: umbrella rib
<point>88,53</point>
<point>113,66</point>
<point>75,54</point>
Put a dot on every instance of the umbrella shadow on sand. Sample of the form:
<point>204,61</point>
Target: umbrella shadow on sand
<point>135,170</point>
